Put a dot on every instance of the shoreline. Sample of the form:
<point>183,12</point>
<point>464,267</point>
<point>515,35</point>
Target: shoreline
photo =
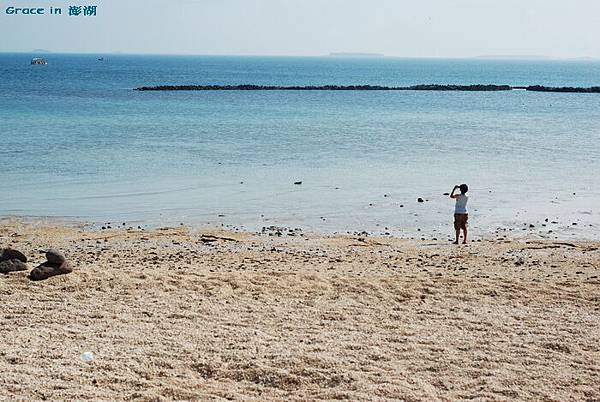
<point>548,230</point>
<point>180,313</point>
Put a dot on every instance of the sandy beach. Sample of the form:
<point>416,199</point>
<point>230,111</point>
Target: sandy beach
<point>194,314</point>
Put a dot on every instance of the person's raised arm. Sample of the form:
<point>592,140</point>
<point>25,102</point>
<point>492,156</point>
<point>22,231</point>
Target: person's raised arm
<point>452,195</point>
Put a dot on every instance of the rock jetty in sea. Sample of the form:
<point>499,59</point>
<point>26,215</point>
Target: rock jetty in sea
<point>540,88</point>
<point>56,264</point>
<point>420,87</point>
<point>12,261</point>
<point>252,87</point>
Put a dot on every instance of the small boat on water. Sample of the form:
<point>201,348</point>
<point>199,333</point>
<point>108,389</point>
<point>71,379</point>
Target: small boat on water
<point>38,60</point>
<point>101,59</point>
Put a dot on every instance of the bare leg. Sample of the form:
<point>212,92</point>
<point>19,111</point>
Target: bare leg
<point>457,236</point>
<point>465,231</point>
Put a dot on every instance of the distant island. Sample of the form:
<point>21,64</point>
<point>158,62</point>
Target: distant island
<point>347,54</point>
<point>421,87</point>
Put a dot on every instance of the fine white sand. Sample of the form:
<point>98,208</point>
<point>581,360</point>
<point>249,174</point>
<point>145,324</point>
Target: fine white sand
<point>169,316</point>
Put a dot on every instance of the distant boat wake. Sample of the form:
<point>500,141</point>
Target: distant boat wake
<point>422,87</point>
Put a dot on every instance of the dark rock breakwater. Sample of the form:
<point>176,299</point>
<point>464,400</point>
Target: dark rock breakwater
<point>540,88</point>
<point>420,87</point>
<point>250,87</point>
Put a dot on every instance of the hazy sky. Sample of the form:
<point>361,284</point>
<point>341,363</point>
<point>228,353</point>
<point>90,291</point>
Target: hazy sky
<point>417,28</point>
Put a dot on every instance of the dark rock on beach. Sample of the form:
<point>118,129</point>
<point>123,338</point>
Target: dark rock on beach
<point>48,269</point>
<point>56,264</point>
<point>55,256</point>
<point>15,265</point>
<point>10,254</point>
<point>12,261</point>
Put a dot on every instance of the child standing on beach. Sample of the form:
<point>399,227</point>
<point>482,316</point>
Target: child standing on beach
<point>460,211</point>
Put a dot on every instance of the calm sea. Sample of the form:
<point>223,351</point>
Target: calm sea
<point>79,143</point>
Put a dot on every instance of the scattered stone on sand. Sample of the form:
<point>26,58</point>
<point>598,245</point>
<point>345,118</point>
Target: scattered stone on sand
<point>206,238</point>
<point>57,264</point>
<point>14,265</point>
<point>8,254</point>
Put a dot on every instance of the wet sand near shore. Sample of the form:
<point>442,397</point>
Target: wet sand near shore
<point>185,314</point>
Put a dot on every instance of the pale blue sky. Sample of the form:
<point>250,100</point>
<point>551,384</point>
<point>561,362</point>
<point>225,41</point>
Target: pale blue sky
<point>417,28</point>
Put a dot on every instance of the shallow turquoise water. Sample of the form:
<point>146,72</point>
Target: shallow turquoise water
<point>79,142</point>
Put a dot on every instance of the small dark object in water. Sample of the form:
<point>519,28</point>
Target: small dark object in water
<point>38,60</point>
<point>297,183</point>
<point>420,199</point>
